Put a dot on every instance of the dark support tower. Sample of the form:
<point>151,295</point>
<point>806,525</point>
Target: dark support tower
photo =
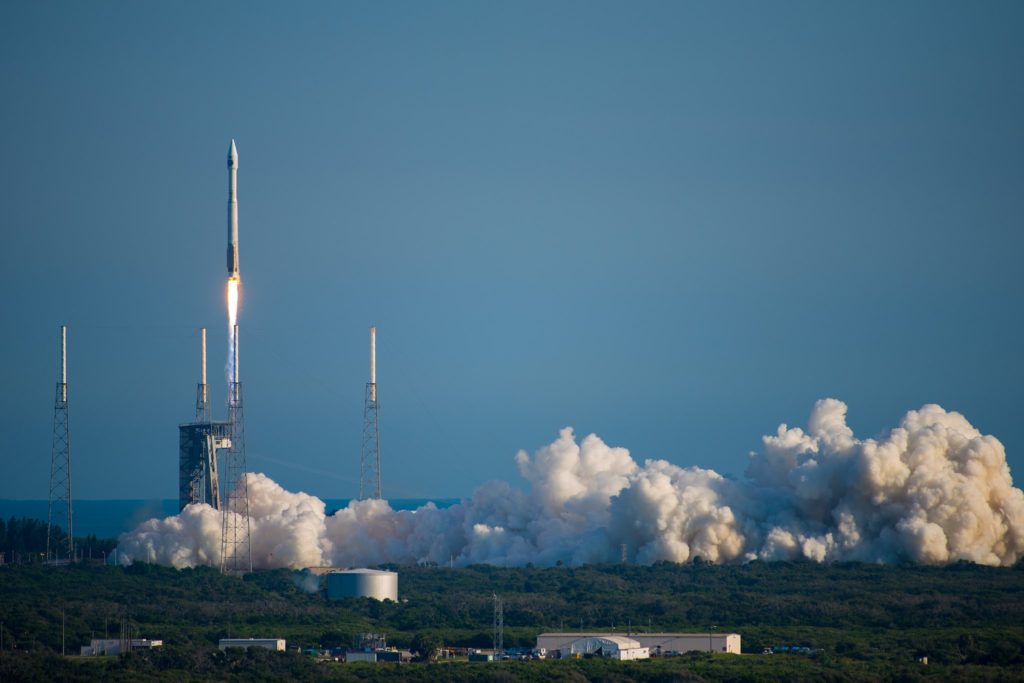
<point>61,549</point>
<point>198,443</point>
<point>236,548</point>
<point>369,461</point>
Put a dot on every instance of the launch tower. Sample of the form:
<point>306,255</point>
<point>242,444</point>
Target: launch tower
<point>236,546</point>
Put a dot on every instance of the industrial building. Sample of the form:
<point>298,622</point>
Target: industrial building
<point>656,643</point>
<point>198,443</point>
<point>373,656</point>
<point>613,647</point>
<point>362,583</point>
<point>373,647</point>
<point>111,647</point>
<point>276,644</point>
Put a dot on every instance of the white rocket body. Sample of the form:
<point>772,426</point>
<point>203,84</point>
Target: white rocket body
<point>233,211</point>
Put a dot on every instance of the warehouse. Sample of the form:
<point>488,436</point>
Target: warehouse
<point>116,646</point>
<point>613,647</point>
<point>276,644</point>
<point>657,643</point>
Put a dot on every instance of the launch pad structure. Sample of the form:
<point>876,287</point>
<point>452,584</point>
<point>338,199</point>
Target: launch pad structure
<point>198,443</point>
<point>236,541</point>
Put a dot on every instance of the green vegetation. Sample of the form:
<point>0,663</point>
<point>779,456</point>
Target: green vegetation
<point>23,540</point>
<point>870,622</point>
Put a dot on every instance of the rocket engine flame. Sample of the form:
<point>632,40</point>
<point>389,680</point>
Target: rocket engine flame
<point>233,284</point>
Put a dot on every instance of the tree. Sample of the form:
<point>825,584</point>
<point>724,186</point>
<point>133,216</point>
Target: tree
<point>426,646</point>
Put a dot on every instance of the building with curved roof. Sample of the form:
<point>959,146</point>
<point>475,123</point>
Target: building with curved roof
<point>656,643</point>
<point>614,647</point>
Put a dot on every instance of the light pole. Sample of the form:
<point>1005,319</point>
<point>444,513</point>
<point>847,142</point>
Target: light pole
<point>711,648</point>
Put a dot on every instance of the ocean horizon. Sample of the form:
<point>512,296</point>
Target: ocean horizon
<point>113,517</point>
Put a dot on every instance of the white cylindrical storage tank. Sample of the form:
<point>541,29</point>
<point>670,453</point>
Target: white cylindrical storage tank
<point>363,583</point>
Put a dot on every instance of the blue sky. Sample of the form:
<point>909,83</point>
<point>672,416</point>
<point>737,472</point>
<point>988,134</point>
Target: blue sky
<point>673,224</point>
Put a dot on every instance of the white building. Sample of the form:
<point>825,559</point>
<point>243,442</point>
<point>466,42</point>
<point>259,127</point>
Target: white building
<point>656,643</point>
<point>359,656</point>
<point>112,647</point>
<point>276,644</point>
<point>613,647</point>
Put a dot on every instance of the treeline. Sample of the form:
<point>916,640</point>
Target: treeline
<point>23,541</point>
<point>864,618</point>
<point>959,613</point>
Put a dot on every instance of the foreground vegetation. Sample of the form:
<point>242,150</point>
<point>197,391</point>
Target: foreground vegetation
<point>870,622</point>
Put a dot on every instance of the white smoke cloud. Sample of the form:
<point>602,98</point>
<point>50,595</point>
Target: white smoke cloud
<point>933,490</point>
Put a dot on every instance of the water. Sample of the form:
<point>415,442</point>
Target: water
<point>110,518</point>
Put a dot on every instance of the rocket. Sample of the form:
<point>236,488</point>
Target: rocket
<point>233,212</point>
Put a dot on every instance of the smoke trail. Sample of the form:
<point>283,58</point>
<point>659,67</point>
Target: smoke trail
<point>932,490</point>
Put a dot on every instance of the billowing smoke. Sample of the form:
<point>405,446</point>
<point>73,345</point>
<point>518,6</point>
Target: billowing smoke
<point>933,490</point>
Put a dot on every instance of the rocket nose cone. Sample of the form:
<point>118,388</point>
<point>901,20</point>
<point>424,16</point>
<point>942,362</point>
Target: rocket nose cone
<point>233,153</point>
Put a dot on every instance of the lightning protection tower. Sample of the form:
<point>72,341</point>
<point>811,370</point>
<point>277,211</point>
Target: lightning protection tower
<point>236,548</point>
<point>499,624</point>
<point>369,461</point>
<point>61,549</point>
<point>202,391</point>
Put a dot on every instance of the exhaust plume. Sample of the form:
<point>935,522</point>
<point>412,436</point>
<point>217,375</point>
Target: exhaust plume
<point>932,490</point>
<point>233,284</point>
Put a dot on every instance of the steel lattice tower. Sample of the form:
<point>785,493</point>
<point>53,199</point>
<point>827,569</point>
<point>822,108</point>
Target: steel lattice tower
<point>369,461</point>
<point>499,624</point>
<point>202,391</point>
<point>236,546</point>
<point>57,548</point>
